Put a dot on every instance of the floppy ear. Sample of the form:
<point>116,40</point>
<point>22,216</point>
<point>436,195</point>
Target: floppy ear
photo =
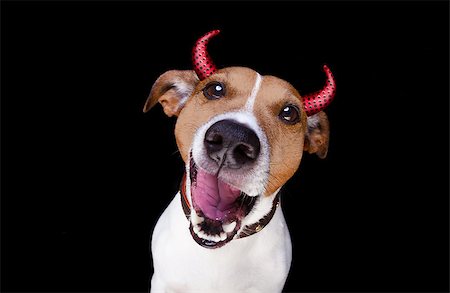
<point>171,90</point>
<point>317,135</point>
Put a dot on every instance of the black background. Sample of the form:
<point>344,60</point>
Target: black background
<point>85,174</point>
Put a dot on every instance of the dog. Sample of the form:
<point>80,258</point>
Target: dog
<point>241,136</point>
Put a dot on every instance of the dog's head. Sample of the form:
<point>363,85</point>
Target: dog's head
<point>241,136</point>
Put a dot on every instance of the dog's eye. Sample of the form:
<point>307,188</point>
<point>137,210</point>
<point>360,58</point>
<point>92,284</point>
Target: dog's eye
<point>289,114</point>
<point>214,90</point>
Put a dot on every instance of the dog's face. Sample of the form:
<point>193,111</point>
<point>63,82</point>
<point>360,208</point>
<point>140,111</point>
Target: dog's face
<point>241,136</point>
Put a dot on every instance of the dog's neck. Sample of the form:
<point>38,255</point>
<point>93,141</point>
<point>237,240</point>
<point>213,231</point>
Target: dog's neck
<point>249,229</point>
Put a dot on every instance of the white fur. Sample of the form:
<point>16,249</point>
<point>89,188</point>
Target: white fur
<point>255,90</point>
<point>258,263</point>
<point>184,89</point>
<point>313,121</point>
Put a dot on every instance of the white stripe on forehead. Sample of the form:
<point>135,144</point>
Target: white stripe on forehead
<point>251,99</point>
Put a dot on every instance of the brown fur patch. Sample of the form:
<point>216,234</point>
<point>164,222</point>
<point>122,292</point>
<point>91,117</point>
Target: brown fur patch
<point>165,92</point>
<point>317,138</point>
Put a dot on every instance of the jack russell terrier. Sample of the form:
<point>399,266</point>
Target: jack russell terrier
<point>241,136</point>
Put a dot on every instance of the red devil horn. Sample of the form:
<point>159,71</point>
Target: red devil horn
<point>316,102</point>
<point>203,64</point>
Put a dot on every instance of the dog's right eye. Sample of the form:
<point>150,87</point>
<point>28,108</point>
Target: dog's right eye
<point>214,90</point>
<point>290,114</point>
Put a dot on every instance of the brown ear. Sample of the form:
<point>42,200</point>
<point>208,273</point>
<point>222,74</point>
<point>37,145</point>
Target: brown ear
<point>171,90</point>
<point>317,135</point>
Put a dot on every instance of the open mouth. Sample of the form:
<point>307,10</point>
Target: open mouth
<point>217,208</point>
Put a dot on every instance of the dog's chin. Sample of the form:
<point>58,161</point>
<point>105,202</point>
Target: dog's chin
<point>217,208</point>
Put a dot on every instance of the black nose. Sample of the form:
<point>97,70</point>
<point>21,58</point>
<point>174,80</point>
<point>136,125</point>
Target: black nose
<point>232,144</point>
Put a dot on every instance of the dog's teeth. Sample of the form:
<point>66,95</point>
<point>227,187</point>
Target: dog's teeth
<point>196,219</point>
<point>229,227</point>
<point>223,236</point>
<point>203,235</point>
<point>196,229</point>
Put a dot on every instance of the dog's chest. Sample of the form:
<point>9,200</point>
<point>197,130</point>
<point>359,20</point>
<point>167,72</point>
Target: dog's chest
<point>244,265</point>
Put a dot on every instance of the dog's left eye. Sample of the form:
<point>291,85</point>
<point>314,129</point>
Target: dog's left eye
<point>289,114</point>
<point>214,90</point>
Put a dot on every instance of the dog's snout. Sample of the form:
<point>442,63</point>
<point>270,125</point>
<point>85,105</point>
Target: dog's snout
<point>232,144</point>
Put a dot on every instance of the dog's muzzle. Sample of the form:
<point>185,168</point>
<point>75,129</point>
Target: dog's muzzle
<point>231,149</point>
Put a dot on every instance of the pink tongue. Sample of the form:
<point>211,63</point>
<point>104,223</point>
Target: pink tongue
<point>214,197</point>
